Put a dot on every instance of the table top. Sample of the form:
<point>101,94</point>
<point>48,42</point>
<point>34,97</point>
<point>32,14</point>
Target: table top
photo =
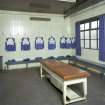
<point>65,71</point>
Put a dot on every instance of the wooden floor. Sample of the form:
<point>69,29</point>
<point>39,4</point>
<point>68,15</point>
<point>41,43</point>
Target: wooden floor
<point>21,87</point>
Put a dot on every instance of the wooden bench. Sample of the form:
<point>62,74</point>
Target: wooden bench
<point>87,64</point>
<point>26,62</point>
<point>63,76</point>
<point>37,60</point>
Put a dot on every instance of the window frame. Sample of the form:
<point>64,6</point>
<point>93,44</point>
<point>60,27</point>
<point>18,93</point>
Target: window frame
<point>90,29</point>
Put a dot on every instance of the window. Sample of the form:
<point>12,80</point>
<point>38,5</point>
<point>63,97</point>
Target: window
<point>89,34</point>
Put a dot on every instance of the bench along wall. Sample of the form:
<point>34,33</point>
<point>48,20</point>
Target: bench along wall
<point>92,11</point>
<point>19,25</point>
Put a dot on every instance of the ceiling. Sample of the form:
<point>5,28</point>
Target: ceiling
<point>42,6</point>
<point>82,4</point>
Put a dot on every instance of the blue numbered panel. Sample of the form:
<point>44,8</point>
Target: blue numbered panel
<point>39,43</point>
<point>51,43</point>
<point>10,44</point>
<point>25,44</point>
<point>73,41</point>
<point>68,43</point>
<point>63,42</point>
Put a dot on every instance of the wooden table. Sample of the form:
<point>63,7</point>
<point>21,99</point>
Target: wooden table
<point>63,76</point>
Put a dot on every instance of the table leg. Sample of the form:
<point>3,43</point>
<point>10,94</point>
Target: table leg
<point>85,88</point>
<point>64,93</point>
<point>41,71</point>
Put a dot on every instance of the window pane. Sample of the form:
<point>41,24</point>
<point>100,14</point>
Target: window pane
<point>86,34</point>
<point>98,44</point>
<point>82,35</point>
<point>82,43</point>
<point>94,44</point>
<point>98,23</point>
<point>86,26</point>
<point>82,27</point>
<point>93,34</point>
<point>98,34</point>
<point>86,43</point>
<point>94,24</point>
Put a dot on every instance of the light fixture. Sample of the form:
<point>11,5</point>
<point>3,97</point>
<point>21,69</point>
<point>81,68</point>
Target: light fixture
<point>67,0</point>
<point>39,19</point>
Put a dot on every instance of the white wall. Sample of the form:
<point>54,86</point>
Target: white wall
<point>18,25</point>
<point>92,11</point>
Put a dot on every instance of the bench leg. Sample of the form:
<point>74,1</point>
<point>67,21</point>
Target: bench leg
<point>26,66</point>
<point>68,61</point>
<point>7,67</point>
